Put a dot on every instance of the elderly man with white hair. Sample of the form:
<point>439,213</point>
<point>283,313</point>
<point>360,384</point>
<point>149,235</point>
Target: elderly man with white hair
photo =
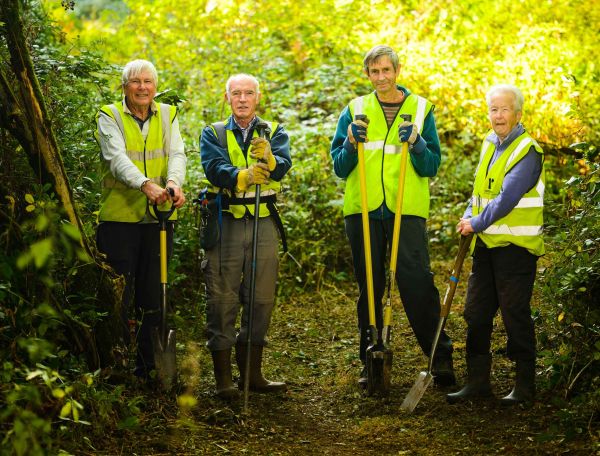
<point>235,159</point>
<point>505,214</point>
<point>142,157</point>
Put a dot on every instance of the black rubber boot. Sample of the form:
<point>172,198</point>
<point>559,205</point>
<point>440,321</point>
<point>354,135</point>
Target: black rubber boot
<point>222,369</point>
<point>524,389</point>
<point>258,383</point>
<point>478,380</point>
<point>443,372</point>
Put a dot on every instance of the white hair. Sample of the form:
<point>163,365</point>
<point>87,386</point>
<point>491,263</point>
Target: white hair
<point>241,76</point>
<point>519,100</point>
<point>135,67</point>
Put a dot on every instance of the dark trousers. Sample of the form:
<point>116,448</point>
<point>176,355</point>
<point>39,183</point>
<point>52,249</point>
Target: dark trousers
<point>133,250</point>
<point>501,278</point>
<point>414,279</point>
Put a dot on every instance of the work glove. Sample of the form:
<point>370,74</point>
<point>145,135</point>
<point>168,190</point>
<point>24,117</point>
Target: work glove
<point>357,131</point>
<point>261,150</point>
<point>407,132</point>
<point>256,174</point>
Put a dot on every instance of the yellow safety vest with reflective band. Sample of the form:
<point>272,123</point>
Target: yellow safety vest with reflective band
<point>382,160</point>
<point>120,203</point>
<point>236,155</point>
<point>523,225</point>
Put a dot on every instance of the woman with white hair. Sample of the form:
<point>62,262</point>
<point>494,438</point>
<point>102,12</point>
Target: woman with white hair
<point>506,216</point>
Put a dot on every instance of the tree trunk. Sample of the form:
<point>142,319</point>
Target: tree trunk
<point>23,114</point>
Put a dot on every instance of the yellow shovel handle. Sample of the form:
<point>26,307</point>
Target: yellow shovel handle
<point>387,311</point>
<point>366,232</point>
<point>163,256</point>
<point>399,201</point>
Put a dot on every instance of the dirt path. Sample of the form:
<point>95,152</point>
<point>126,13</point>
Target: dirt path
<point>313,347</point>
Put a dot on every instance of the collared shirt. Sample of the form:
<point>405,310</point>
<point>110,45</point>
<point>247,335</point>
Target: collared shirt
<point>246,130</point>
<point>112,145</point>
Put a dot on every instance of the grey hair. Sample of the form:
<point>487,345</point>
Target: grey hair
<point>241,76</point>
<point>135,67</point>
<point>380,51</point>
<point>519,100</point>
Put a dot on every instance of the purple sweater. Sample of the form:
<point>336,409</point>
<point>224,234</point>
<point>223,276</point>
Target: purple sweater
<point>518,181</point>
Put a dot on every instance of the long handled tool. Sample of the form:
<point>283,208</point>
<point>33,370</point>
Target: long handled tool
<point>424,379</point>
<point>374,354</point>
<point>263,130</point>
<point>163,338</point>
<point>387,309</point>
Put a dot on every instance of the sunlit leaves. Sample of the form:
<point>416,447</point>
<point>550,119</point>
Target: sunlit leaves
<point>31,206</point>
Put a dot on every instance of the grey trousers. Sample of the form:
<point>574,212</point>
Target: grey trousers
<point>227,274</point>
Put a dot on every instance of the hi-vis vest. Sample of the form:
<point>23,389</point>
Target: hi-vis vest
<point>382,160</point>
<point>523,225</point>
<point>120,203</point>
<point>236,155</point>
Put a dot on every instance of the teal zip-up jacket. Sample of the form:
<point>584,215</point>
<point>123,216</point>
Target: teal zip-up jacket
<point>425,154</point>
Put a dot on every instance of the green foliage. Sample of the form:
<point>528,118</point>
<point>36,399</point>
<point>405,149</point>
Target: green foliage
<point>572,284</point>
<point>310,68</point>
<point>44,296</point>
<point>33,328</point>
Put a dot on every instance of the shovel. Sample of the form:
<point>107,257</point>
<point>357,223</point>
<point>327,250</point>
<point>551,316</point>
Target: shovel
<point>263,131</point>
<point>374,353</point>
<point>424,379</point>
<point>163,338</point>
<point>387,310</point>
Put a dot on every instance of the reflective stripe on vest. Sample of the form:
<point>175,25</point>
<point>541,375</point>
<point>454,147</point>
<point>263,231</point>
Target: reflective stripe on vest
<point>523,225</point>
<point>383,157</point>
<point>236,155</point>
<point>120,203</point>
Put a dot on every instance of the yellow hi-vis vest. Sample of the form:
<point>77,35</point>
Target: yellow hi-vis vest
<point>523,225</point>
<point>236,155</point>
<point>118,202</point>
<point>382,160</point>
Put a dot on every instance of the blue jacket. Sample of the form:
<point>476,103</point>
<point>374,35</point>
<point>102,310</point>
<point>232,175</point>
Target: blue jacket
<point>215,158</point>
<point>520,179</point>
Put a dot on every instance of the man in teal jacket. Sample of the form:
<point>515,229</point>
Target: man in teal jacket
<point>382,142</point>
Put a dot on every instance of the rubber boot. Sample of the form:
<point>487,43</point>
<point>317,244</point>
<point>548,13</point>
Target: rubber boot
<point>443,372</point>
<point>478,380</point>
<point>222,369</point>
<point>524,389</point>
<point>258,383</point>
